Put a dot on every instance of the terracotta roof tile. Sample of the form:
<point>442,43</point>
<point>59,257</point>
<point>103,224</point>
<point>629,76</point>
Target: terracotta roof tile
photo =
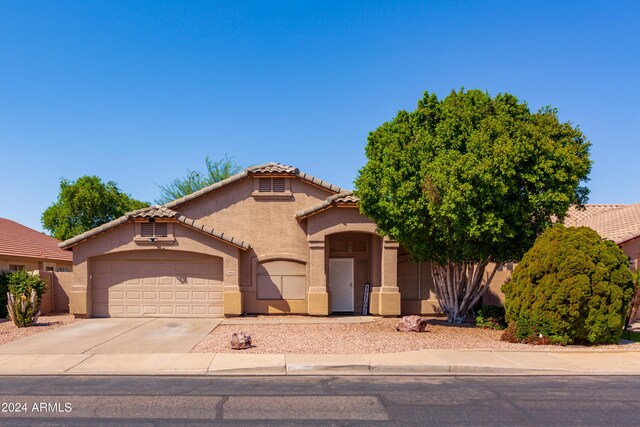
<point>615,222</point>
<point>619,223</point>
<point>575,215</point>
<point>18,240</point>
<point>346,197</point>
<point>273,167</point>
<point>155,212</point>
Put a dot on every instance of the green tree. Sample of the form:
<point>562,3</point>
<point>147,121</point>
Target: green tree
<point>571,286</point>
<point>194,181</point>
<point>469,180</point>
<point>85,204</point>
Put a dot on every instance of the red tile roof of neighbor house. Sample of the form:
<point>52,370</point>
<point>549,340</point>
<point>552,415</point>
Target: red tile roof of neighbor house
<point>619,223</point>
<point>20,241</point>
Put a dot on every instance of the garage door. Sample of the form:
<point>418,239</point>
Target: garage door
<point>157,288</point>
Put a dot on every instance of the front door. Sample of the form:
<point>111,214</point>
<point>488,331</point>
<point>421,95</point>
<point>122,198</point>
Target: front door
<point>341,283</point>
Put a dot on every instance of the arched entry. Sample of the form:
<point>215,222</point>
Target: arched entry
<point>353,261</point>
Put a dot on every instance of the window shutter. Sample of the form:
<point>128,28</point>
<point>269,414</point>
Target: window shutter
<point>278,185</point>
<point>146,229</point>
<point>264,185</point>
<point>161,229</point>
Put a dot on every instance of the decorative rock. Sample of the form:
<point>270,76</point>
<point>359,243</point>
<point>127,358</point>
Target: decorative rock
<point>240,341</point>
<point>412,324</point>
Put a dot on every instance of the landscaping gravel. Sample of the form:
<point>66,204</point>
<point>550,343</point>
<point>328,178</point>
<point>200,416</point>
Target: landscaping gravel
<point>378,336</point>
<point>10,332</point>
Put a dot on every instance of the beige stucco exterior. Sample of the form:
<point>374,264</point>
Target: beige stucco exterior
<point>275,248</point>
<point>632,249</point>
<point>284,267</point>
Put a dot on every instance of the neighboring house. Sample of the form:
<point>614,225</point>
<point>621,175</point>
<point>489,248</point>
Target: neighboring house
<point>618,223</point>
<point>22,248</point>
<point>270,239</point>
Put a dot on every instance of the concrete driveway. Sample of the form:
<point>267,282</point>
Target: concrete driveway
<point>108,336</point>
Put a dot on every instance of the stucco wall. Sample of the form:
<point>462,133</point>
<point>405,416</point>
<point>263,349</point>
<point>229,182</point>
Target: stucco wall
<point>56,298</point>
<point>268,224</point>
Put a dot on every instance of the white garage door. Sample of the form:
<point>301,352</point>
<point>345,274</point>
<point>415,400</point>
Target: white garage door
<point>157,288</point>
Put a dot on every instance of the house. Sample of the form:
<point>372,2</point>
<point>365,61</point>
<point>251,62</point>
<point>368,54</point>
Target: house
<point>22,248</point>
<point>271,239</point>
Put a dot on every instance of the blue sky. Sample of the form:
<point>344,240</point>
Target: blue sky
<point>138,92</point>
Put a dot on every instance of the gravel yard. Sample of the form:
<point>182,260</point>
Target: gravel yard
<point>10,332</point>
<point>379,336</point>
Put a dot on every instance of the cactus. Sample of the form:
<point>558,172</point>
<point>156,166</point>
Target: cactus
<point>23,311</point>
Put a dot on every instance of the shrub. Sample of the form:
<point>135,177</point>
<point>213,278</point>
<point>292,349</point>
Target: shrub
<point>22,282</point>
<point>491,317</point>
<point>571,287</point>
<point>18,283</point>
<point>23,310</point>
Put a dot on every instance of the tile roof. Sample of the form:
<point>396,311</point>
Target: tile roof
<point>155,212</point>
<point>273,167</point>
<point>342,198</point>
<point>615,222</point>
<point>619,223</point>
<point>20,241</point>
<point>267,168</point>
<point>575,215</point>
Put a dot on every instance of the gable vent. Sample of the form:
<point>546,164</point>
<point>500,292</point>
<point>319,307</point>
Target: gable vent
<point>264,186</point>
<point>161,229</point>
<point>271,185</point>
<point>278,185</point>
<point>146,229</point>
<point>153,229</point>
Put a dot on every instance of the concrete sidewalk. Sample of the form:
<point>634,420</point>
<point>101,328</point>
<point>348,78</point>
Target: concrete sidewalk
<point>422,362</point>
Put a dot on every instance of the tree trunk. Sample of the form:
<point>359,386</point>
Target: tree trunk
<point>460,286</point>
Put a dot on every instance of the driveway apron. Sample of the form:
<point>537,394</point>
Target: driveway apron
<point>116,335</point>
<point>162,335</point>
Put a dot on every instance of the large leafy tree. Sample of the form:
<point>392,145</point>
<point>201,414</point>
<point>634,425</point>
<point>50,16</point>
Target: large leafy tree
<point>194,181</point>
<point>85,204</point>
<point>470,180</point>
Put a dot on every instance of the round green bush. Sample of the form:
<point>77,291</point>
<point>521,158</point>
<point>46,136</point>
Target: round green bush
<point>571,287</point>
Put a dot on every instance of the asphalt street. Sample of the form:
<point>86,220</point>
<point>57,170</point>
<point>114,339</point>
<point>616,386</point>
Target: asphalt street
<point>362,401</point>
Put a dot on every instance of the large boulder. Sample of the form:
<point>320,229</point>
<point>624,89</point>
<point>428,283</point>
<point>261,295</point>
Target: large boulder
<point>240,340</point>
<point>412,324</point>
